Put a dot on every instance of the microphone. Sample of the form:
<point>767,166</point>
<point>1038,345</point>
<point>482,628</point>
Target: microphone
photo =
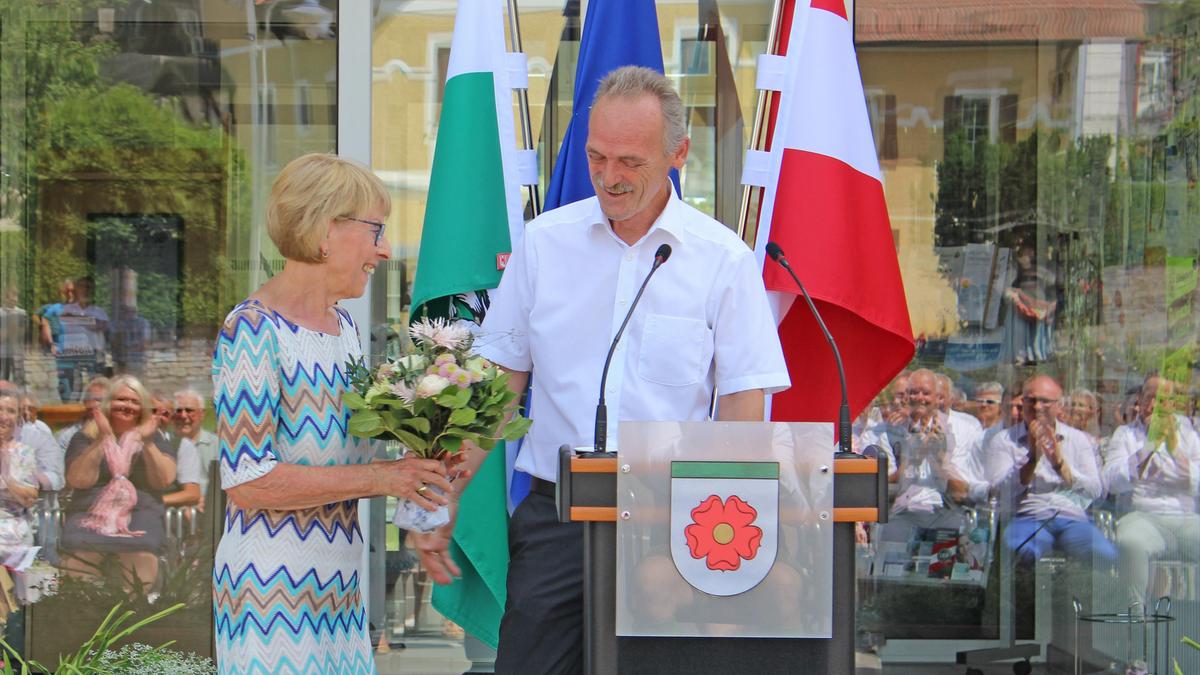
<point>776,254</point>
<point>600,441</point>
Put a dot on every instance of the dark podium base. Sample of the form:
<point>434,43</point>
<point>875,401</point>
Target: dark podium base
<point>757,656</point>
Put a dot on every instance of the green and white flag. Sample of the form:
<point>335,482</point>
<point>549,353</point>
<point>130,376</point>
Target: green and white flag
<point>473,220</point>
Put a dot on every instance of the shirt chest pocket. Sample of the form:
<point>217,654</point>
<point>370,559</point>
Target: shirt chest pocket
<point>674,351</point>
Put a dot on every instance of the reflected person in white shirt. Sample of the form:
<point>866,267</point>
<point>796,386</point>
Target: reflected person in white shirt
<point>1155,459</point>
<point>1050,471</point>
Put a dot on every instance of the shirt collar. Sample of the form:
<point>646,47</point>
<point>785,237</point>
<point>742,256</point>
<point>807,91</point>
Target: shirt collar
<point>670,221</point>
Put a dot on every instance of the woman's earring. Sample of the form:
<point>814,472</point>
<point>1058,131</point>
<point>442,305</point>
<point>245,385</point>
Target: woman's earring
<point>324,253</point>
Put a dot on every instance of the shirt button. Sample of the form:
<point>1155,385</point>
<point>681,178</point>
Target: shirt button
<point>622,302</point>
<point>629,257</point>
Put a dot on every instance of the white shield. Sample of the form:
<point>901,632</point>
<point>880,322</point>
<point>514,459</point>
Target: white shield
<point>724,523</point>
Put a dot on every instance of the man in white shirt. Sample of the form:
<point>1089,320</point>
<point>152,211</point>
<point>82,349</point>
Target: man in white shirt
<point>1050,471</point>
<point>704,323</point>
<point>920,446</point>
<point>197,448</point>
<point>1162,477</point>
<point>987,399</point>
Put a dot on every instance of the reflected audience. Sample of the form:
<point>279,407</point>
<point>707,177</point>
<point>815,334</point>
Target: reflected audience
<point>118,466</point>
<point>1048,471</point>
<point>987,399</point>
<point>83,346</point>
<point>93,394</point>
<point>1155,461</point>
<point>190,413</point>
<point>18,483</point>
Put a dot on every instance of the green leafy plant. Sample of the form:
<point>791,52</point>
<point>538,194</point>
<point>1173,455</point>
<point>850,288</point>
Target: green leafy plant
<point>1191,643</point>
<point>91,657</point>
<point>434,397</point>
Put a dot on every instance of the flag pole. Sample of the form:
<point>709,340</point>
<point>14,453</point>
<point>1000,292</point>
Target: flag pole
<point>761,111</point>
<point>514,29</point>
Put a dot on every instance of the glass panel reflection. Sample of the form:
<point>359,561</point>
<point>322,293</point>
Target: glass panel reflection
<point>137,143</point>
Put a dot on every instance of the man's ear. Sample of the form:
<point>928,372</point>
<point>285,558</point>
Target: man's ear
<point>679,157</point>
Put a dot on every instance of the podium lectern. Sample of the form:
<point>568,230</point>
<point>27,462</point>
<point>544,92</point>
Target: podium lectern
<point>588,493</point>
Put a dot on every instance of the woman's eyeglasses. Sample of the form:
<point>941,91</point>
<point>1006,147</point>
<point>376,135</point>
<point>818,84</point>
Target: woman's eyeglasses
<point>373,223</point>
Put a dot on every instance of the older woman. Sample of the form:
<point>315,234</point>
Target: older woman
<point>118,465</point>
<point>287,568</point>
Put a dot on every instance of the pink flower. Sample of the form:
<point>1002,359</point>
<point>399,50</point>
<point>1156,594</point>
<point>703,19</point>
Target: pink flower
<point>440,332</point>
<point>403,392</point>
<point>461,378</point>
<point>444,359</point>
<point>448,370</point>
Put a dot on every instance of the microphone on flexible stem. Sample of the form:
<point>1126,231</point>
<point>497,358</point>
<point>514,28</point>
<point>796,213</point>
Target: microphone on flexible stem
<point>600,442</point>
<point>776,254</point>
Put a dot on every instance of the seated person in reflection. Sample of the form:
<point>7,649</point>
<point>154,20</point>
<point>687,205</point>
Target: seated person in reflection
<point>18,480</point>
<point>185,491</point>
<point>987,399</point>
<point>1049,471</point>
<point>118,466</point>
<point>190,412</point>
<point>921,444</point>
<point>1155,460</point>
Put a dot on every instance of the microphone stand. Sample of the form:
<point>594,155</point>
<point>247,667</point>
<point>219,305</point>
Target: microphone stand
<point>844,445</point>
<point>600,439</point>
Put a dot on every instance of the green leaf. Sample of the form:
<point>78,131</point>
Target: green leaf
<point>450,443</point>
<point>455,400</point>
<point>353,400</point>
<point>516,428</point>
<point>412,441</point>
<point>486,443</point>
<point>462,416</point>
<point>365,423</point>
<point>417,424</point>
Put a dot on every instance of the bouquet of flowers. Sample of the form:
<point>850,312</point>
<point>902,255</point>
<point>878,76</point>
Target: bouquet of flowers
<point>431,400</point>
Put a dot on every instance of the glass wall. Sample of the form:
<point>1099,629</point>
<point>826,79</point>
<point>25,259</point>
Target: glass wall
<point>1040,169</point>
<point>137,143</point>
<point>1040,166</point>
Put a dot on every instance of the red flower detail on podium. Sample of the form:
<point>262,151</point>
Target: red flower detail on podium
<point>723,533</point>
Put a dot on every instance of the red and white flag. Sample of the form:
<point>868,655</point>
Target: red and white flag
<point>822,202</point>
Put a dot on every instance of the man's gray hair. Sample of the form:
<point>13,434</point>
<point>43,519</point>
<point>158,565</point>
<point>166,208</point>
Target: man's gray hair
<point>636,81</point>
<point>989,386</point>
<point>191,393</point>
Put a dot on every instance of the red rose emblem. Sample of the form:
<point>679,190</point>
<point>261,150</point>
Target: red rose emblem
<point>723,533</point>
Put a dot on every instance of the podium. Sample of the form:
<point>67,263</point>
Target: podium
<point>602,489</point>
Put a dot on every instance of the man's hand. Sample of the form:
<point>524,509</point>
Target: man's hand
<point>434,550</point>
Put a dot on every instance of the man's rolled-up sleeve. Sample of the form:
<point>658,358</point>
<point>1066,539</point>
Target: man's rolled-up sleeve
<point>746,340</point>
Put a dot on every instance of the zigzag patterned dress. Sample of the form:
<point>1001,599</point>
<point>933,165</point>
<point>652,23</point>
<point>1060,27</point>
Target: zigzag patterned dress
<point>285,583</point>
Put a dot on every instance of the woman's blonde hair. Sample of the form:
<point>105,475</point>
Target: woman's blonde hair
<point>313,190</point>
<point>116,384</point>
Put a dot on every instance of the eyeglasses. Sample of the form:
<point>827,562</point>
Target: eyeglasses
<point>987,401</point>
<point>373,223</point>
<point>186,411</point>
<point>1037,400</point>
<point>162,412</point>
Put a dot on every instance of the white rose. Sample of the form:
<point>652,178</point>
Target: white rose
<point>431,385</point>
<point>413,362</point>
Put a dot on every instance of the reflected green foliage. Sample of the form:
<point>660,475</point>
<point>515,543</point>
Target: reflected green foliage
<point>77,144</point>
<point>140,659</point>
<point>93,656</point>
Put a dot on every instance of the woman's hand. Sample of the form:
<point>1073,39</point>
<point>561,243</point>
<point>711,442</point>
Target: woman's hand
<point>409,478</point>
<point>146,429</point>
<point>102,423</point>
<point>25,495</point>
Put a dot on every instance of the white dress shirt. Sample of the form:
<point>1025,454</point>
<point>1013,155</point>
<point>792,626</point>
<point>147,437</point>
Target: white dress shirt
<point>1164,488</point>
<point>703,322</point>
<point>1007,452</point>
<point>48,453</point>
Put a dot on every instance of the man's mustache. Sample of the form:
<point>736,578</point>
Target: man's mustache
<point>615,188</point>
